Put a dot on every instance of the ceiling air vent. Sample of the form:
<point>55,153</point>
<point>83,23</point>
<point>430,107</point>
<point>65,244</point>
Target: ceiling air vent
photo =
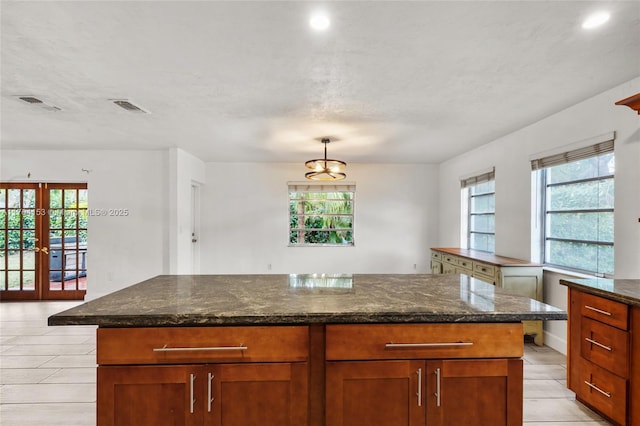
<point>129,106</point>
<point>35,101</point>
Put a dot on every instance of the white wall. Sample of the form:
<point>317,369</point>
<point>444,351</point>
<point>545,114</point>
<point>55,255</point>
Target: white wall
<point>511,157</point>
<point>122,250</point>
<point>245,220</point>
<point>184,170</point>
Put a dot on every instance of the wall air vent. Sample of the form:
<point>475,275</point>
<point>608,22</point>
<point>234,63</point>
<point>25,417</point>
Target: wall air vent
<point>129,106</point>
<point>31,100</point>
<point>35,101</point>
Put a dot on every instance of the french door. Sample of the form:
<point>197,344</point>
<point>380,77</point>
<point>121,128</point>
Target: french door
<point>43,241</point>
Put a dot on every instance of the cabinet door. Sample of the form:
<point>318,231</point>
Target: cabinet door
<point>381,393</point>
<point>149,395</point>
<point>436,267</point>
<point>257,394</point>
<point>474,392</point>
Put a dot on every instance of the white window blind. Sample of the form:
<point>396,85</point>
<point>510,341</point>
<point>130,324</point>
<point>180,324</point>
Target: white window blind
<point>573,155</point>
<point>481,178</point>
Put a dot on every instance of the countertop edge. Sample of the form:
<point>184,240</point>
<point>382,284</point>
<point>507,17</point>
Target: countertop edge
<point>387,318</point>
<point>601,292</point>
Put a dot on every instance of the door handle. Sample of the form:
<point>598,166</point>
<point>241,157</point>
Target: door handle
<point>437,393</point>
<point>43,249</point>
<point>419,393</point>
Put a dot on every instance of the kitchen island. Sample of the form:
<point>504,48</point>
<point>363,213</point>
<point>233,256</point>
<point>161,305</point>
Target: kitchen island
<point>309,350</point>
<point>603,365</point>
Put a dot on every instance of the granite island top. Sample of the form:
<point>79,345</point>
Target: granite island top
<point>621,290</point>
<point>200,300</point>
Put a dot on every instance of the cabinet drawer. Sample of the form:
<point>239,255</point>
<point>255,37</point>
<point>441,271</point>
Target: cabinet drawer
<point>484,269</point>
<point>465,264</point>
<point>436,255</point>
<point>603,390</point>
<point>486,278</point>
<point>423,341</point>
<point>605,310</point>
<point>174,345</point>
<point>450,259</point>
<point>605,346</point>
<point>448,268</point>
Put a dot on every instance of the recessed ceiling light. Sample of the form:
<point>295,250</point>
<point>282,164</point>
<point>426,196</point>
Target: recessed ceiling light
<point>319,22</point>
<point>595,20</point>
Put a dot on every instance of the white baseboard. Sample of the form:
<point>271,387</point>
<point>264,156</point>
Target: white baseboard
<point>554,342</point>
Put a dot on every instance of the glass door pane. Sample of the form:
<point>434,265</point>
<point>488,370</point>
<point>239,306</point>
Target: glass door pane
<point>67,240</point>
<point>18,241</point>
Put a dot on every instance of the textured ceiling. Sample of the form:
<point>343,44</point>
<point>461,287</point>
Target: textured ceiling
<point>394,81</point>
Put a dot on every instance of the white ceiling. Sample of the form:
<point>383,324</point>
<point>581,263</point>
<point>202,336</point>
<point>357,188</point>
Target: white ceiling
<point>417,81</point>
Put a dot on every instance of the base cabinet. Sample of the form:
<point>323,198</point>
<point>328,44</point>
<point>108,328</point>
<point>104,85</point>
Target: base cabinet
<point>223,394</point>
<point>315,375</point>
<point>147,396</point>
<point>419,392</point>
<point>604,356</point>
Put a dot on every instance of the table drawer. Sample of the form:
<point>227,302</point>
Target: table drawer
<point>436,255</point>
<point>175,345</point>
<point>603,390</point>
<point>450,259</point>
<point>484,269</point>
<point>605,346</point>
<point>465,264</point>
<point>423,341</point>
<point>605,310</point>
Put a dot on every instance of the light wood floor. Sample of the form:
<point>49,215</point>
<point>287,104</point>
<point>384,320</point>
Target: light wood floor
<point>47,374</point>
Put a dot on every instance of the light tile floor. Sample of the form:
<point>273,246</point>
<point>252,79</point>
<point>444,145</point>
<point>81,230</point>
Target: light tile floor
<point>47,374</point>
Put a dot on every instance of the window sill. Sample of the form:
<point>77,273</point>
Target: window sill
<point>570,273</point>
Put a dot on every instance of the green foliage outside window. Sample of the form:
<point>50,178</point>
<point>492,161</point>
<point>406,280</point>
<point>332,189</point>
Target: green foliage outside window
<point>321,218</point>
<point>579,215</point>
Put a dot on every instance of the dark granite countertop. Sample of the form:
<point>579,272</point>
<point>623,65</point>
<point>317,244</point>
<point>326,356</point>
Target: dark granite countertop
<point>198,300</point>
<point>625,291</point>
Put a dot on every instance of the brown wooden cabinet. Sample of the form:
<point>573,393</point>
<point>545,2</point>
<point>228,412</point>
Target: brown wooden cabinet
<point>347,374</point>
<point>382,393</point>
<point>604,356</point>
<point>478,392</point>
<point>203,376</point>
<point>148,395</point>
<point>393,374</point>
<point>418,392</point>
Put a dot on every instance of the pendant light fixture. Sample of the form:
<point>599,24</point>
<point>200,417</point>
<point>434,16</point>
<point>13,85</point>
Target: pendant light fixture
<point>325,168</point>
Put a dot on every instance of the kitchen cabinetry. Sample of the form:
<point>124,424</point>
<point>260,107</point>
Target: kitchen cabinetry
<point>515,275</point>
<point>203,376</point>
<point>424,374</point>
<point>604,356</point>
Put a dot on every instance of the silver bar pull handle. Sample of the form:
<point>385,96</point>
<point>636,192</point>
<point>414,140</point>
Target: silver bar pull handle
<point>192,400</point>
<point>241,347</point>
<point>600,311</point>
<point>598,344</point>
<point>437,394</point>
<point>592,386</point>
<point>427,345</point>
<point>210,397</point>
<point>419,393</point>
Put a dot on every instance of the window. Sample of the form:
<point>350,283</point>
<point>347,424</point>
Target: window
<point>321,215</point>
<point>577,208</point>
<point>481,226</point>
